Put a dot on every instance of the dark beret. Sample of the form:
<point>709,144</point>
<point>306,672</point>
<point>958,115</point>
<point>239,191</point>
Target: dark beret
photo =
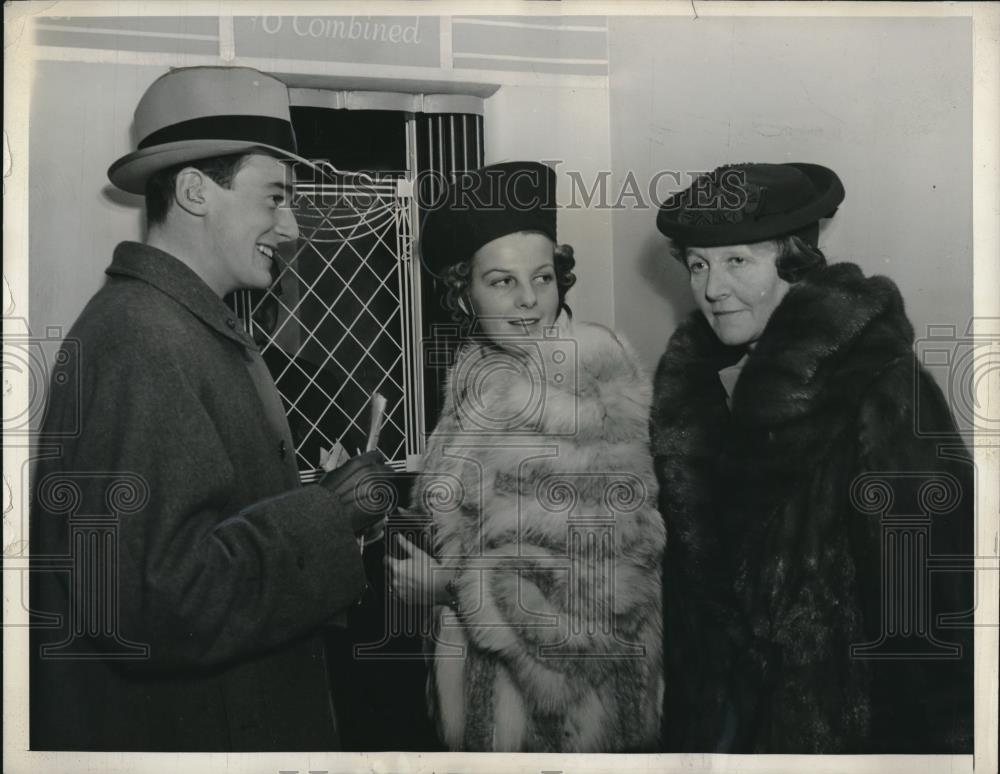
<point>477,207</point>
<point>745,203</point>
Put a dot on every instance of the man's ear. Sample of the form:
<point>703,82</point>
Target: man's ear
<point>190,191</point>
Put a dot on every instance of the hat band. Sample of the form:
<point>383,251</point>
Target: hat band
<point>263,130</point>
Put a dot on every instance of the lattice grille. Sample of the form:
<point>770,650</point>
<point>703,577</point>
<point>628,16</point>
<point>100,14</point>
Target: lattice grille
<point>334,327</point>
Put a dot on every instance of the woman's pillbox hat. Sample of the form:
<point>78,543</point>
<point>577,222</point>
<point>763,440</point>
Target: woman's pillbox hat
<point>194,113</point>
<point>740,204</point>
<point>475,208</point>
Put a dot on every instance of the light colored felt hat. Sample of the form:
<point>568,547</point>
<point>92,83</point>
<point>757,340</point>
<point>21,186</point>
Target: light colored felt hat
<point>195,113</point>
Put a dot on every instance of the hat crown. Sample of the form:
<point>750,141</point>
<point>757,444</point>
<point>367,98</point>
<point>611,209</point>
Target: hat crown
<point>746,203</point>
<point>202,92</point>
<point>782,186</point>
<point>194,113</point>
<point>486,204</point>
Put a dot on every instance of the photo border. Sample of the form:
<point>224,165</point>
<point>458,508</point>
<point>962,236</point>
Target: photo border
<point>18,71</point>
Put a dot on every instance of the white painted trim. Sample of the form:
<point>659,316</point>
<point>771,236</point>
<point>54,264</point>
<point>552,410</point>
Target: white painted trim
<point>406,102</point>
<point>331,99</point>
<point>452,103</point>
<point>116,56</point>
<point>43,26</point>
<point>528,25</point>
<point>515,58</point>
<point>444,34</point>
<point>309,73</point>
<point>383,100</point>
<point>227,38</point>
<point>535,79</point>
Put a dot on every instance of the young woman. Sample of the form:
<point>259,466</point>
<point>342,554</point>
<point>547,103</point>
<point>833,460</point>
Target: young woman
<point>538,480</point>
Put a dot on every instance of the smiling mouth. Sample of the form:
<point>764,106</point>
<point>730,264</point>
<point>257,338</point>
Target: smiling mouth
<point>525,322</point>
<point>266,250</point>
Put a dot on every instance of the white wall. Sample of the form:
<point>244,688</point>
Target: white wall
<point>569,126</point>
<point>81,118</point>
<point>884,102</point>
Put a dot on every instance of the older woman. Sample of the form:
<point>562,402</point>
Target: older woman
<point>539,482</point>
<point>791,381</point>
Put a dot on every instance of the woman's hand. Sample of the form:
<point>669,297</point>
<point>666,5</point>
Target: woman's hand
<point>419,578</point>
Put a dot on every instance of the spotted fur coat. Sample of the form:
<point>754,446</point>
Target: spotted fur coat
<point>542,491</point>
<point>773,569</point>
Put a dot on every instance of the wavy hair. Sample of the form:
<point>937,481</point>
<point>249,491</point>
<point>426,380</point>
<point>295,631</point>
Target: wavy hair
<point>458,276</point>
<point>796,258</point>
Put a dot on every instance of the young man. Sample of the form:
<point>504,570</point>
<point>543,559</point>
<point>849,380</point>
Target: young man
<point>199,571</point>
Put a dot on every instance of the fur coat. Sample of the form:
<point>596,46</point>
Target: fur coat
<point>541,487</point>
<point>773,570</point>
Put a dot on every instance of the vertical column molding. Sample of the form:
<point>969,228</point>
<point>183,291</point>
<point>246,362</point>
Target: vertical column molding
<point>227,39</point>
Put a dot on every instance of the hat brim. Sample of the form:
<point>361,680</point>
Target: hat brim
<point>130,172</point>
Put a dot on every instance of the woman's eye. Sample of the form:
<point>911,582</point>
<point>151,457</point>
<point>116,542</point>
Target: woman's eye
<point>502,283</point>
<point>737,260</point>
<point>696,267</point>
<point>544,279</point>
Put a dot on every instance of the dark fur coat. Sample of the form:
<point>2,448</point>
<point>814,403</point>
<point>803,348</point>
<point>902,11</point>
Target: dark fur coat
<point>541,486</point>
<point>773,570</point>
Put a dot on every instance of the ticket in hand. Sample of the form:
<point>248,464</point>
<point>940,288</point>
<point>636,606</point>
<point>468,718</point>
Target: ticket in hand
<point>333,458</point>
<point>375,423</point>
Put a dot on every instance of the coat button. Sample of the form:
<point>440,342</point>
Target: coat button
<point>231,323</point>
<point>282,450</point>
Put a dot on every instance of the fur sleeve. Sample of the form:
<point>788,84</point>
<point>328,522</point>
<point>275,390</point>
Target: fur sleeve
<point>907,435</point>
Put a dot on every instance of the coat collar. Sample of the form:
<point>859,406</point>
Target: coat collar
<point>173,278</point>
<point>799,363</point>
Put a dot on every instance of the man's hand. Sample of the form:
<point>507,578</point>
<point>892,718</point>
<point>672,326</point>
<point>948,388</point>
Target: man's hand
<point>361,488</point>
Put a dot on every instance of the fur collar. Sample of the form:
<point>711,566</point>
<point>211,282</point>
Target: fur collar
<point>830,335</point>
<point>584,383</point>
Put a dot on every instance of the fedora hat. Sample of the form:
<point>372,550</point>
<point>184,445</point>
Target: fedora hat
<point>486,204</point>
<point>745,203</point>
<point>195,113</point>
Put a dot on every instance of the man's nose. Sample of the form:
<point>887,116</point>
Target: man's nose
<point>287,226</point>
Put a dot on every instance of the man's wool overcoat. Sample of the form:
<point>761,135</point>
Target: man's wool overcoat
<point>200,630</point>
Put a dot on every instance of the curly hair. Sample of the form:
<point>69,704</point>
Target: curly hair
<point>796,258</point>
<point>457,278</point>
